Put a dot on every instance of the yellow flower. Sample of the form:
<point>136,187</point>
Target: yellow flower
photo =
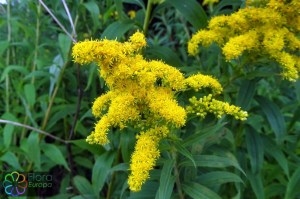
<point>237,45</point>
<point>144,156</point>
<point>131,14</point>
<point>266,27</point>
<point>200,81</point>
<point>142,94</point>
<point>209,105</point>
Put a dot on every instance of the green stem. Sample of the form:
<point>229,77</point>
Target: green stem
<point>147,17</point>
<point>37,36</point>
<point>7,56</point>
<point>109,192</point>
<point>176,172</point>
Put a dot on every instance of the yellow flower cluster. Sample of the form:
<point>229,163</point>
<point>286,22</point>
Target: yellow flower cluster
<point>145,155</point>
<point>209,105</point>
<point>269,27</point>
<point>142,94</point>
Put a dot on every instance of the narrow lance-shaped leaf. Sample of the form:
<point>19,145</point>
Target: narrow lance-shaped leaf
<point>274,117</point>
<point>246,93</point>
<point>192,11</point>
<point>293,185</point>
<point>54,154</point>
<point>166,180</point>
<point>255,149</point>
<point>218,177</point>
<point>273,150</point>
<point>101,170</point>
<point>197,191</point>
<point>256,184</point>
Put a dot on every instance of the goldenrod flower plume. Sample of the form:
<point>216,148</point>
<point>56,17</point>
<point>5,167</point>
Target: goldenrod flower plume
<point>141,94</point>
<point>269,27</point>
<point>144,156</point>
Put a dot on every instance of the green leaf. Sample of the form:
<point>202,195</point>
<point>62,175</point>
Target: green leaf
<point>63,111</point>
<point>219,8</point>
<point>212,161</point>
<point>36,74</point>
<point>101,170</point>
<point>93,8</point>
<point>120,167</point>
<point>192,12</point>
<point>274,117</point>
<point>8,134</point>
<point>54,154</point>
<point>166,180</point>
<point>200,136</point>
<point>83,162</point>
<point>181,149</point>
<point>93,148</point>
<point>8,69</point>
<point>255,149</point>
<point>30,94</point>
<point>293,185</point>
<point>84,187</point>
<point>198,191</point>
<point>127,145</point>
<point>148,191</point>
<point>273,150</point>
<point>33,149</point>
<point>64,44</point>
<point>3,46</point>
<point>246,93</point>
<point>117,29</point>
<point>218,177</point>
<point>163,53</point>
<point>11,159</point>
<point>274,190</point>
<point>256,184</point>
<point>54,71</point>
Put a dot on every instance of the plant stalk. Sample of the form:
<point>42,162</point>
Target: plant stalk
<point>147,17</point>
<point>177,180</point>
<point>37,37</point>
<point>7,104</point>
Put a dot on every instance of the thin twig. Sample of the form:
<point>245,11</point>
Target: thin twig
<point>57,21</point>
<point>70,18</point>
<point>33,129</point>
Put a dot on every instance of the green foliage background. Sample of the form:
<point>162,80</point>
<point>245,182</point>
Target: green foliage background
<point>42,88</point>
